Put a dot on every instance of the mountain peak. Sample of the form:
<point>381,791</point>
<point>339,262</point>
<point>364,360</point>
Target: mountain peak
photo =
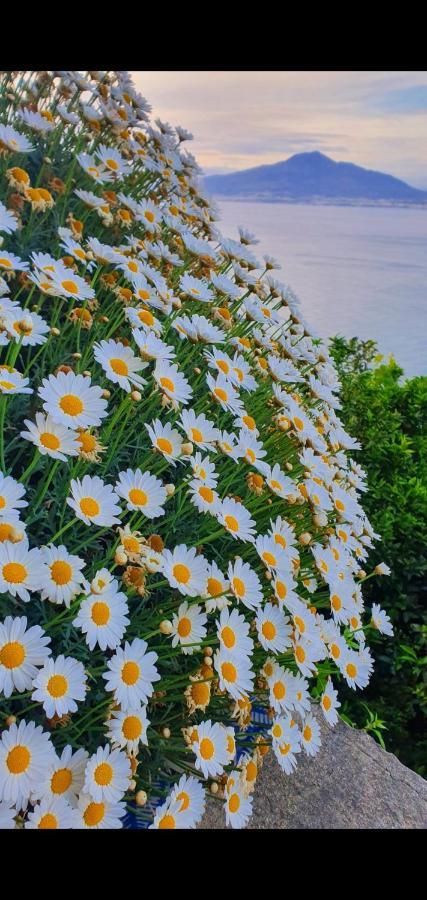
<point>314,177</point>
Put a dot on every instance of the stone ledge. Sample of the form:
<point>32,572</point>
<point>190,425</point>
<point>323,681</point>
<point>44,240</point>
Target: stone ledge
<point>351,783</point>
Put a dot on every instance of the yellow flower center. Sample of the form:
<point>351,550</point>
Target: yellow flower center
<point>184,627</point>
<point>6,263</point>
<point>279,690</point>
<point>71,405</point>
<point>231,523</point>
<point>61,572</point>
<point>269,630</point>
<point>2,502</point>
<point>326,702</point>
<point>87,441</point>
<point>48,821</point>
<point>167,384</point>
<point>351,670</point>
<point>307,733</point>
<point>221,394</point>
<point>200,693</point>
<point>119,366</point>
<point>149,215</point>
<point>60,781</point>
<point>6,531</point>
<point>103,774</point>
<point>18,759</point>
<point>57,686</point>
<point>50,441</point>
<point>234,803</point>
<point>269,558</point>
<point>112,164</point>
<point>100,613</point>
<point>131,728</point>
<point>89,506</point>
<point>130,672</point>
<point>94,814</point>
<point>249,422</point>
<point>239,587</point>
<point>138,497</point>
<point>167,821</point>
<point>70,286</point>
<point>300,654</point>
<point>336,602</point>
<point>339,505</point>
<point>14,573</point>
<point>12,655</point>
<point>229,672</point>
<point>145,316</point>
<point>206,748</point>
<point>207,494</point>
<point>181,573</point>
<point>214,587</point>
<point>281,590</point>
<point>228,637</point>
<point>164,445</point>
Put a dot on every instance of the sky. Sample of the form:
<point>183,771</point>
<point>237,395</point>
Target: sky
<point>242,119</point>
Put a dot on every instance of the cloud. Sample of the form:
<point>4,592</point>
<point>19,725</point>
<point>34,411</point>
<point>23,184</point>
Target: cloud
<point>244,119</point>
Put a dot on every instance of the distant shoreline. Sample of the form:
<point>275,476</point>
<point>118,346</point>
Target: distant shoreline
<point>324,201</point>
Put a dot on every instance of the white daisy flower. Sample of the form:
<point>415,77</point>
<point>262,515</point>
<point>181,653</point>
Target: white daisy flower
<point>271,553</point>
<point>188,627</point>
<point>206,332</point>
<point>98,815</point>
<point>69,284</point>
<point>36,120</point>
<point>128,728</point>
<point>273,629</point>
<point>217,587</point>
<point>286,744</point>
<point>225,394</point>
<point>112,160</point>
<point>234,673</point>
<point>282,689</point>
<point>283,586</point>
<point>195,288</point>
<point>199,429</point>
<point>102,617</point>
<point>236,520</point>
<point>172,382</point>
<point>21,570</point>
<point>238,808</point>
<point>203,469</point>
<point>167,816</point>
<point>310,735</point>
<point>145,325</point>
<point>12,140</point>
<point>329,703</point>
<point>93,501</point>
<point>27,327</point>
<point>11,528</point>
<point>64,776</point>
<point>72,400</point>
<point>211,748</point>
<point>52,812</point>
<point>190,794</point>
<point>9,262</point>
<point>22,650</point>
<point>107,775</point>
<point>142,491</point>
<point>185,570</point>
<point>279,483</point>
<point>11,494</point>
<point>59,684</point>
<point>204,498</point>
<point>247,422</point>
<point>165,439</point>
<point>120,364</point>
<point>380,620</point>
<point>219,360</point>
<point>51,438</point>
<point>305,656</point>
<point>233,633</point>
<point>131,674</point>
<point>151,347</point>
<point>149,214</point>
<point>25,755</point>
<point>245,584</point>
<point>356,668</point>
<point>63,575</point>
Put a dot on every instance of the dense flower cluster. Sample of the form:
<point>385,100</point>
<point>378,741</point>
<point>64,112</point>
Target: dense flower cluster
<point>181,535</point>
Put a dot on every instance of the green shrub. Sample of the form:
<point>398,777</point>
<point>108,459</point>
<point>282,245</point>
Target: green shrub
<point>389,416</point>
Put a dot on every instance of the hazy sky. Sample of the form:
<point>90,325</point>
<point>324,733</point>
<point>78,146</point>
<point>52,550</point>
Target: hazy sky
<point>242,119</point>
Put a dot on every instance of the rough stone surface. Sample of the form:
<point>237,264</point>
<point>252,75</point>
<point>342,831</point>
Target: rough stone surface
<point>351,783</point>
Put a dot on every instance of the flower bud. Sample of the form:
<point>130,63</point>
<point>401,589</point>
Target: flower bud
<point>165,627</point>
<point>120,558</point>
<point>55,332</point>
<point>166,732</point>
<point>187,449</point>
<point>141,798</point>
<point>136,395</point>
<point>170,489</point>
<point>305,538</point>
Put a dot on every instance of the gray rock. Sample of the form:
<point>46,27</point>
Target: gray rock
<point>351,783</point>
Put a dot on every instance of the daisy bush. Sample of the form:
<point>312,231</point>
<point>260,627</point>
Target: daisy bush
<point>182,539</point>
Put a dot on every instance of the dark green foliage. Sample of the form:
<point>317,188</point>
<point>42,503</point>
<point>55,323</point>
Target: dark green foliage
<point>389,416</point>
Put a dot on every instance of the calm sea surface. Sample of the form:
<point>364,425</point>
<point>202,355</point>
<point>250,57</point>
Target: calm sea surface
<point>356,270</point>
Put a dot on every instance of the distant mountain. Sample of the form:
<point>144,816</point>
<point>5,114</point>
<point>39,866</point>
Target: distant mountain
<point>315,178</point>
